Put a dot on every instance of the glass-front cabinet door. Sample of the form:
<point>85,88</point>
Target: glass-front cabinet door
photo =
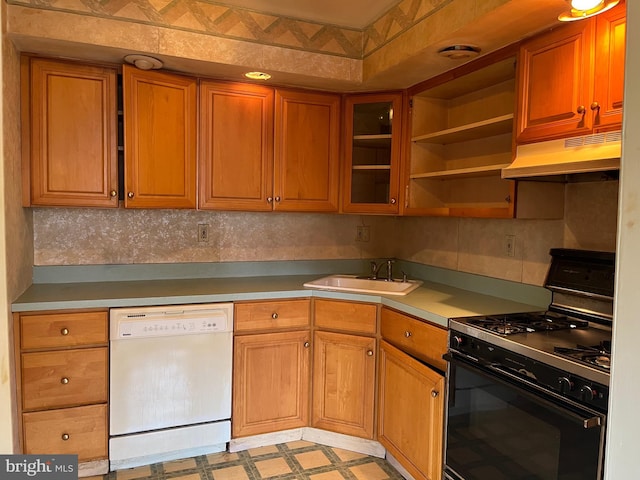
<point>372,153</point>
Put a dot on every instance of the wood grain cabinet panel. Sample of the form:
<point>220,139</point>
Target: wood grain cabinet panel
<point>160,118</point>
<point>69,134</point>
<point>270,382</point>
<point>236,146</point>
<point>52,330</point>
<point>307,139</point>
<point>272,315</point>
<point>411,412</point>
<point>345,316</point>
<point>78,431</point>
<point>344,368</point>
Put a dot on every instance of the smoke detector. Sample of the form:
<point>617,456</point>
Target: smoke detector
<point>456,52</point>
<point>143,62</point>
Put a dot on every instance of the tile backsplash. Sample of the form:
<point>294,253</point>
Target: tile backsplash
<point>120,236</point>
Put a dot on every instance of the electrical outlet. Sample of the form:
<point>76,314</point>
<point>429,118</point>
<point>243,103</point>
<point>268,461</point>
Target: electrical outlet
<point>362,233</point>
<point>510,245</point>
<point>203,232</point>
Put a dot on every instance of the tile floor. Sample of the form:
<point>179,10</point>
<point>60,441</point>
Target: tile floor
<point>299,460</point>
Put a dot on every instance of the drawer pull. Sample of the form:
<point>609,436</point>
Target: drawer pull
<point>65,436</point>
<point>435,393</point>
<point>64,380</point>
<point>407,334</point>
<point>370,353</point>
<point>306,344</point>
<point>274,315</point>
<point>64,331</point>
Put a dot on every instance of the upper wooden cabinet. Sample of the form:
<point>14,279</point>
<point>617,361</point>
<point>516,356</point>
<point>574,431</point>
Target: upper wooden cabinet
<point>461,126</point>
<point>372,152</point>
<point>160,118</point>
<point>307,139</point>
<point>571,79</point>
<point>236,146</point>
<point>69,134</point>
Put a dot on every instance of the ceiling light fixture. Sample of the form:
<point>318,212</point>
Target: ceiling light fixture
<point>143,62</point>
<point>586,8</point>
<point>257,75</point>
<point>457,52</point>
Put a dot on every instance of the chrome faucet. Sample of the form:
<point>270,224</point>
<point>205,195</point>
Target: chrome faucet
<point>375,270</point>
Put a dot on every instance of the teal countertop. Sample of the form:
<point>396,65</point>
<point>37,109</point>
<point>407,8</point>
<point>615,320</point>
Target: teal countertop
<point>433,301</point>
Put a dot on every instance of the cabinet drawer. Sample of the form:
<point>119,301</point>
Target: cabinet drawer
<point>79,430</point>
<point>63,329</point>
<point>420,339</point>
<point>347,316</point>
<point>64,378</point>
<point>271,315</point>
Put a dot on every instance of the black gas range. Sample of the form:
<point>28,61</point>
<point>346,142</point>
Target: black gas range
<point>536,378</point>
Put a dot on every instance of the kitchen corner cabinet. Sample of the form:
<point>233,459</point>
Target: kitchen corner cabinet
<point>372,152</point>
<point>344,367</point>
<point>271,366</point>
<point>160,119</point>
<point>461,126</point>
<point>69,124</point>
<point>62,382</point>
<point>236,146</point>
<point>411,393</point>
<point>306,151</point>
<point>572,79</point>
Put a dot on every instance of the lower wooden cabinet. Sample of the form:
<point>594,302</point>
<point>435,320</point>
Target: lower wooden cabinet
<point>62,382</point>
<point>411,412</point>
<point>344,368</point>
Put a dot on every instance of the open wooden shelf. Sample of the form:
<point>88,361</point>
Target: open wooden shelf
<point>485,128</point>
<point>486,170</point>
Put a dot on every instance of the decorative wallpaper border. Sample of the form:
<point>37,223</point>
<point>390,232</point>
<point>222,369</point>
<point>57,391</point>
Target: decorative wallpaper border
<point>209,18</point>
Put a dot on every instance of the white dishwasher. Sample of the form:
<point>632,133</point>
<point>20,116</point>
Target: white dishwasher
<point>170,382</point>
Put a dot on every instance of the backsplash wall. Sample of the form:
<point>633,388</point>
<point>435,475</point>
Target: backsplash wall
<point>119,236</point>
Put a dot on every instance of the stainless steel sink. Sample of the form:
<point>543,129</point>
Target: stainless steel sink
<point>353,283</point>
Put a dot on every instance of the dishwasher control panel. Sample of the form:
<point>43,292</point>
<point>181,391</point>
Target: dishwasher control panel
<point>169,321</point>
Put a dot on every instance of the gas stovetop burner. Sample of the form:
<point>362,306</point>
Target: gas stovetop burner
<point>597,356</point>
<point>526,323</point>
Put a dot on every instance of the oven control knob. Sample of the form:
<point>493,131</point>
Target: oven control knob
<point>587,393</point>
<point>457,341</point>
<point>565,385</point>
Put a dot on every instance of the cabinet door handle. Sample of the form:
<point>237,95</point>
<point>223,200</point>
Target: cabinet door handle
<point>306,344</point>
<point>64,331</point>
<point>407,334</point>
<point>130,194</point>
<point>64,380</point>
<point>269,199</point>
<point>277,198</point>
<point>435,393</point>
<point>393,201</point>
<point>369,353</point>
<point>274,315</point>
<point>65,436</point>
<point>595,106</point>
<point>113,193</point>
<point>580,110</point>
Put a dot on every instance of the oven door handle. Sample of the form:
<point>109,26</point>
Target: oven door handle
<point>593,420</point>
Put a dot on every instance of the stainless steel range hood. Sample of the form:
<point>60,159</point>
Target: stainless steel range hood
<point>590,153</point>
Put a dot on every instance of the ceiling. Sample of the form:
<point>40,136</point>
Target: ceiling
<point>345,13</point>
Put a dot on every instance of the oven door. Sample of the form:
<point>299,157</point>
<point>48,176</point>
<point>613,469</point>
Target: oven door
<point>499,427</point>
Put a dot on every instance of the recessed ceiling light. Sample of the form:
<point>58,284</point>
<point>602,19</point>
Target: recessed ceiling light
<point>257,75</point>
<point>456,52</point>
<point>143,62</point>
<point>586,8</point>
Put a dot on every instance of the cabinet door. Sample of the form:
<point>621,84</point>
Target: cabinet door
<point>556,82</point>
<point>236,146</point>
<point>270,382</point>
<point>344,383</point>
<point>160,139</point>
<point>609,74</point>
<point>306,151</point>
<point>372,153</point>
<point>73,140</point>
<point>411,413</point>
